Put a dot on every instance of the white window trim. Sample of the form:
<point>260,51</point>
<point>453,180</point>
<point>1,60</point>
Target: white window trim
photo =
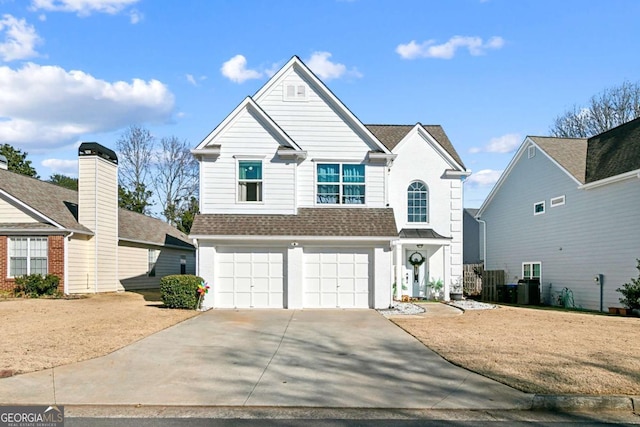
<point>557,201</point>
<point>543,208</point>
<point>428,204</point>
<point>531,263</point>
<point>339,183</point>
<point>531,152</point>
<point>156,255</point>
<point>237,178</point>
<point>9,276</point>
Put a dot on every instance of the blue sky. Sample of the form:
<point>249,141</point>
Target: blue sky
<point>489,71</point>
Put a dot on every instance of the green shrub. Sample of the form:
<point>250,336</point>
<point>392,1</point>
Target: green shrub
<point>37,285</point>
<point>631,292</point>
<point>180,290</point>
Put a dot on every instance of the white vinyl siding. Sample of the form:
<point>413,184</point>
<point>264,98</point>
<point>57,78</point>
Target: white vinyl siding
<point>11,213</point>
<point>80,264</point>
<point>247,138</point>
<point>133,264</point>
<point>27,255</point>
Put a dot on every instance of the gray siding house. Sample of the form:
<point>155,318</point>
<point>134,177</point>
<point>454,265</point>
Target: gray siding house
<point>471,237</point>
<point>565,211</point>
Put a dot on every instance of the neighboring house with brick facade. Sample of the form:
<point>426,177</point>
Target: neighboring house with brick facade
<point>82,236</point>
<point>303,206</point>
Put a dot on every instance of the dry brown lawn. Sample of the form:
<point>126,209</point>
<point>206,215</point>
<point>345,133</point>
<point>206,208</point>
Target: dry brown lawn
<point>539,351</point>
<point>43,333</point>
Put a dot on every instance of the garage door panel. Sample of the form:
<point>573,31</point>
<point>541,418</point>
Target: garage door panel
<point>336,278</point>
<point>249,278</point>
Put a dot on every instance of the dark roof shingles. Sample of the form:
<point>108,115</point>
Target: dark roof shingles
<point>614,152</point>
<point>322,222</point>
<point>391,135</point>
<point>61,206</point>
<point>570,153</point>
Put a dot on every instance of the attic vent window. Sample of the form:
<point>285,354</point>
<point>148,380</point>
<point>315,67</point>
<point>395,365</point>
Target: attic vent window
<point>295,92</point>
<point>531,151</point>
<point>557,201</point>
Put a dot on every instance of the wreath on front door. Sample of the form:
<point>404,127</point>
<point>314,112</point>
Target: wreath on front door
<point>416,259</point>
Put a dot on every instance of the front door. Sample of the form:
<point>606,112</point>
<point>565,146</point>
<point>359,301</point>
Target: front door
<point>417,273</point>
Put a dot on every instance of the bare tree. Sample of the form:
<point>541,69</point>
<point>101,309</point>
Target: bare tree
<point>136,148</point>
<point>612,107</point>
<point>175,178</point>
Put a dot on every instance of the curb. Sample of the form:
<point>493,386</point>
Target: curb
<point>573,403</point>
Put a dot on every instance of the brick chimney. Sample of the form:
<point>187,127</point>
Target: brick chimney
<point>98,211</point>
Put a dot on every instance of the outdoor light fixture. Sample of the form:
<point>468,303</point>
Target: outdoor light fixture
<point>420,246</point>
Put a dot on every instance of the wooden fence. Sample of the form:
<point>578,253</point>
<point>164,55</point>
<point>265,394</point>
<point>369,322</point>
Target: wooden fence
<point>472,279</point>
<point>491,279</point>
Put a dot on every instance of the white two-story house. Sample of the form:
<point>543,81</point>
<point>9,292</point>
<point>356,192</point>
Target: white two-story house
<point>303,206</point>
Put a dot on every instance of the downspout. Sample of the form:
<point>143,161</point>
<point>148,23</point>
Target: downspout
<point>97,234</point>
<point>67,241</point>
<point>484,241</point>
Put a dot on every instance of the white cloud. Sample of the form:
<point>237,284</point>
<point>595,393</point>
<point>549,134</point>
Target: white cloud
<point>484,178</point>
<point>47,105</point>
<point>82,7</point>
<point>135,16</point>
<point>65,167</point>
<point>502,144</point>
<point>191,79</point>
<point>428,49</point>
<point>236,70</point>
<point>320,64</point>
<point>20,39</point>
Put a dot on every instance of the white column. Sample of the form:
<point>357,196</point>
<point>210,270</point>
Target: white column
<point>447,270</point>
<point>399,269</point>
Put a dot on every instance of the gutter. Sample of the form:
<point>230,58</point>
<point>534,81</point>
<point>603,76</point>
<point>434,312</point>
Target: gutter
<point>611,180</point>
<point>67,241</point>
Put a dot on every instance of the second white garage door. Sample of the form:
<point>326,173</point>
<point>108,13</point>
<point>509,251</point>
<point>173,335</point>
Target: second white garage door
<point>249,278</point>
<point>336,278</point>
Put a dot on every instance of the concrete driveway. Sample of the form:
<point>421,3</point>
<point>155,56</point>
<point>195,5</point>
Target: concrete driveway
<point>301,358</point>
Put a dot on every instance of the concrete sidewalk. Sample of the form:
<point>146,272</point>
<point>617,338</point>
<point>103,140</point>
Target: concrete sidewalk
<point>293,358</point>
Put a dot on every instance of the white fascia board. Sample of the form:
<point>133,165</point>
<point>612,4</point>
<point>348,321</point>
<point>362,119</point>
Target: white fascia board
<point>244,238</point>
<point>426,242</point>
<point>456,173</point>
<point>30,209</point>
<point>297,63</point>
<point>612,179</point>
<point>247,104</point>
<point>382,158</point>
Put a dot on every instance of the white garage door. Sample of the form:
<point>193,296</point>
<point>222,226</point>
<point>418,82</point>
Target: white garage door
<point>336,278</point>
<point>249,278</point>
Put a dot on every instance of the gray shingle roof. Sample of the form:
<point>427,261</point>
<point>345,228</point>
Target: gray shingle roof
<point>420,233</point>
<point>323,222</point>
<point>614,152</point>
<point>570,153</point>
<point>391,135</point>
<point>61,206</point>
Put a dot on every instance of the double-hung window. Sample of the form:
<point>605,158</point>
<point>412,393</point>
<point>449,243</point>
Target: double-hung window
<point>249,181</point>
<point>28,255</point>
<point>531,270</point>
<point>340,184</point>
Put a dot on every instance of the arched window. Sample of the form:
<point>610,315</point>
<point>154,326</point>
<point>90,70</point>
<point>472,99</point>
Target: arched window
<point>417,202</point>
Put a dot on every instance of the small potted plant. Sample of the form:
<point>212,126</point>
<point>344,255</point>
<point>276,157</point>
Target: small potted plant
<point>456,292</point>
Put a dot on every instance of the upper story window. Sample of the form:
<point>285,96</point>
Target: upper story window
<point>28,255</point>
<point>295,92</point>
<point>249,181</point>
<point>417,202</point>
<point>340,184</point>
<point>538,208</point>
<point>531,151</point>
